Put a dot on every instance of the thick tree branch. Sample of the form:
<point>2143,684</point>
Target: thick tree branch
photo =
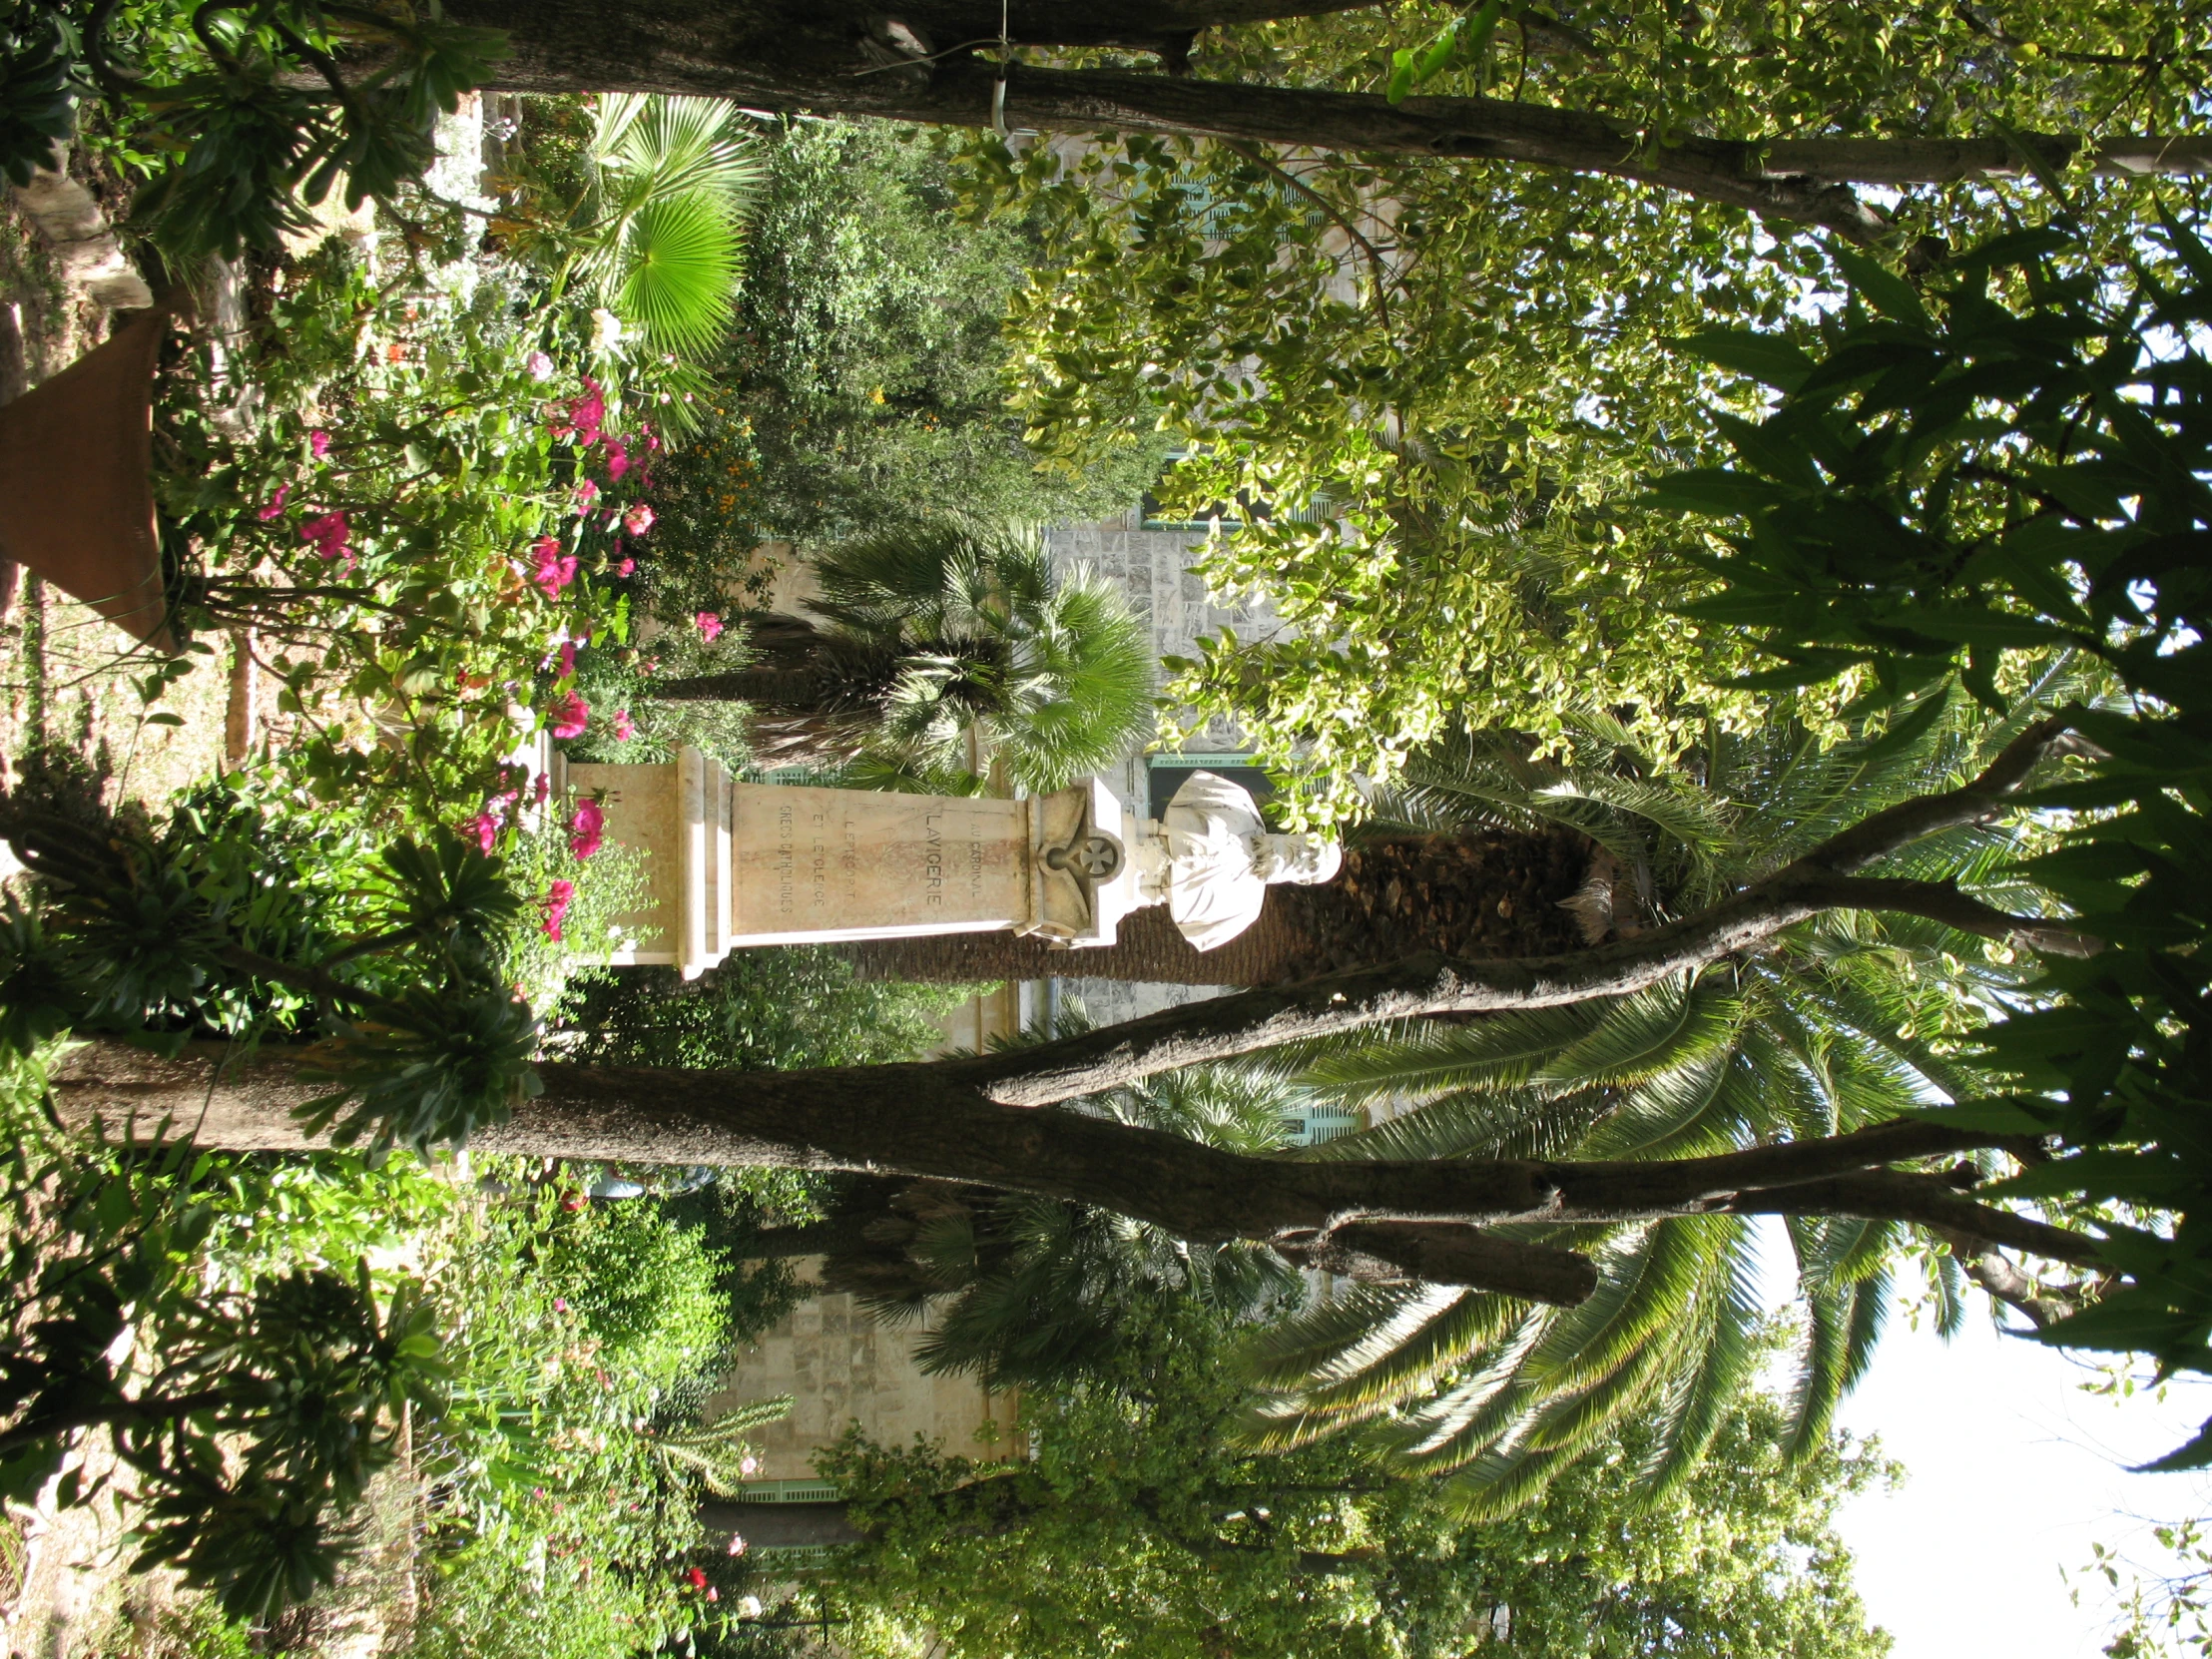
<point>1446,1252</point>
<point>832,60</point>
<point>1226,1027</point>
<point>1943,902</point>
<point>924,1120</point>
<point>1925,1199</point>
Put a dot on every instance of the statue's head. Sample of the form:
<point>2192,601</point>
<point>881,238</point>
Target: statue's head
<point>1304,859</point>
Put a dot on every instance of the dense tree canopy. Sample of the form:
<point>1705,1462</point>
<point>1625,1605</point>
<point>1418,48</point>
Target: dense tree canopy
<point>1142,1527</point>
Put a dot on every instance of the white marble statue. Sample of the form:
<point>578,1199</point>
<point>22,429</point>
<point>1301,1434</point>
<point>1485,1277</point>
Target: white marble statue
<point>1211,857</point>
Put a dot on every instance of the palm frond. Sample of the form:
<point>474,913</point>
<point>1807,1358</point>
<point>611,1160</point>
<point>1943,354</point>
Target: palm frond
<point>1477,1123</point>
<point>675,273</point>
<point>1500,1051</point>
<point>1726,1348</point>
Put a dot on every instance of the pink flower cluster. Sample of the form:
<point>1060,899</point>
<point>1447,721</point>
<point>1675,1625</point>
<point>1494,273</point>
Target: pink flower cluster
<point>555,569</point>
<point>587,831</point>
<point>584,417</point>
<point>329,536</point>
<point>710,626</point>
<point>570,716</point>
<point>558,898</point>
<point>494,818</point>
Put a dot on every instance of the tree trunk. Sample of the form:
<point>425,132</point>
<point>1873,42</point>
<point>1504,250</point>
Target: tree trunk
<point>918,63</point>
<point>967,1119</point>
<point>1483,896</point>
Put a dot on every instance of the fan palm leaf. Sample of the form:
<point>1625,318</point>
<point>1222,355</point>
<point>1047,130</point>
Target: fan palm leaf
<point>1053,674</point>
<point>673,182</point>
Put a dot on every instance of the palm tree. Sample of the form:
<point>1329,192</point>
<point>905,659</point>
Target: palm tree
<point>1841,1024</point>
<point>939,645</point>
<point>656,235</point>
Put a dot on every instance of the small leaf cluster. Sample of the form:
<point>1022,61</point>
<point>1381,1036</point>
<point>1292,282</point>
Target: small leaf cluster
<point>38,87</point>
<point>248,1419</point>
<point>260,110</point>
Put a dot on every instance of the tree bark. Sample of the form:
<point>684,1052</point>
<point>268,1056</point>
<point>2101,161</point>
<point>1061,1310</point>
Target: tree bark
<point>971,1119</point>
<point>918,63</point>
<point>933,1120</point>
<point>1477,896</point>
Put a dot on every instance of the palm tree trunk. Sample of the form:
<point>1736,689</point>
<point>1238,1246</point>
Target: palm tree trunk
<point>791,690</point>
<point>1481,895</point>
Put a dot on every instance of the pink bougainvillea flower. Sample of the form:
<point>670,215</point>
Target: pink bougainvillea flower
<point>330,535</point>
<point>275,503</point>
<point>587,831</point>
<point>588,413</point>
<point>626,567</point>
<point>541,788</point>
<point>568,659</point>
<point>637,519</point>
<point>710,626</point>
<point>538,365</point>
<point>560,1305</point>
<point>570,716</point>
<point>487,826</point>
<point>738,1545</point>
<point>624,726</point>
<point>319,444</point>
<point>558,898</point>
<point>555,569</point>
<point>618,458</point>
<point>586,493</point>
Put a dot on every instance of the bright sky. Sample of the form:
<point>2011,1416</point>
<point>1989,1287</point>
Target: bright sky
<point>2013,1473</point>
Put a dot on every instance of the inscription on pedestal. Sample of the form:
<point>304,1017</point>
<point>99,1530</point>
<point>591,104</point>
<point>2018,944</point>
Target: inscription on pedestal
<point>813,862</point>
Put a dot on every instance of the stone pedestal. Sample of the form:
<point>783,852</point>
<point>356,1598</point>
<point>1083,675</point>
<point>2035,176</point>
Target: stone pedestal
<point>733,864</point>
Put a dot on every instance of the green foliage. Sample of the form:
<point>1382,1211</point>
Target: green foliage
<point>862,386</point>
<point>948,630</point>
<point>1434,385</point>
<point>646,1287</point>
<point>1992,464</point>
<point>250,1413</point>
<point>649,217</point>
<point>567,1602</point>
<point>674,186</point>
<point>568,1456</point>
<point>775,1009</point>
<point>1139,1525</point>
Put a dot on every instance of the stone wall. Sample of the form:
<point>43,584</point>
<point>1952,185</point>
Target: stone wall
<point>1152,569</point>
<point>842,1367</point>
